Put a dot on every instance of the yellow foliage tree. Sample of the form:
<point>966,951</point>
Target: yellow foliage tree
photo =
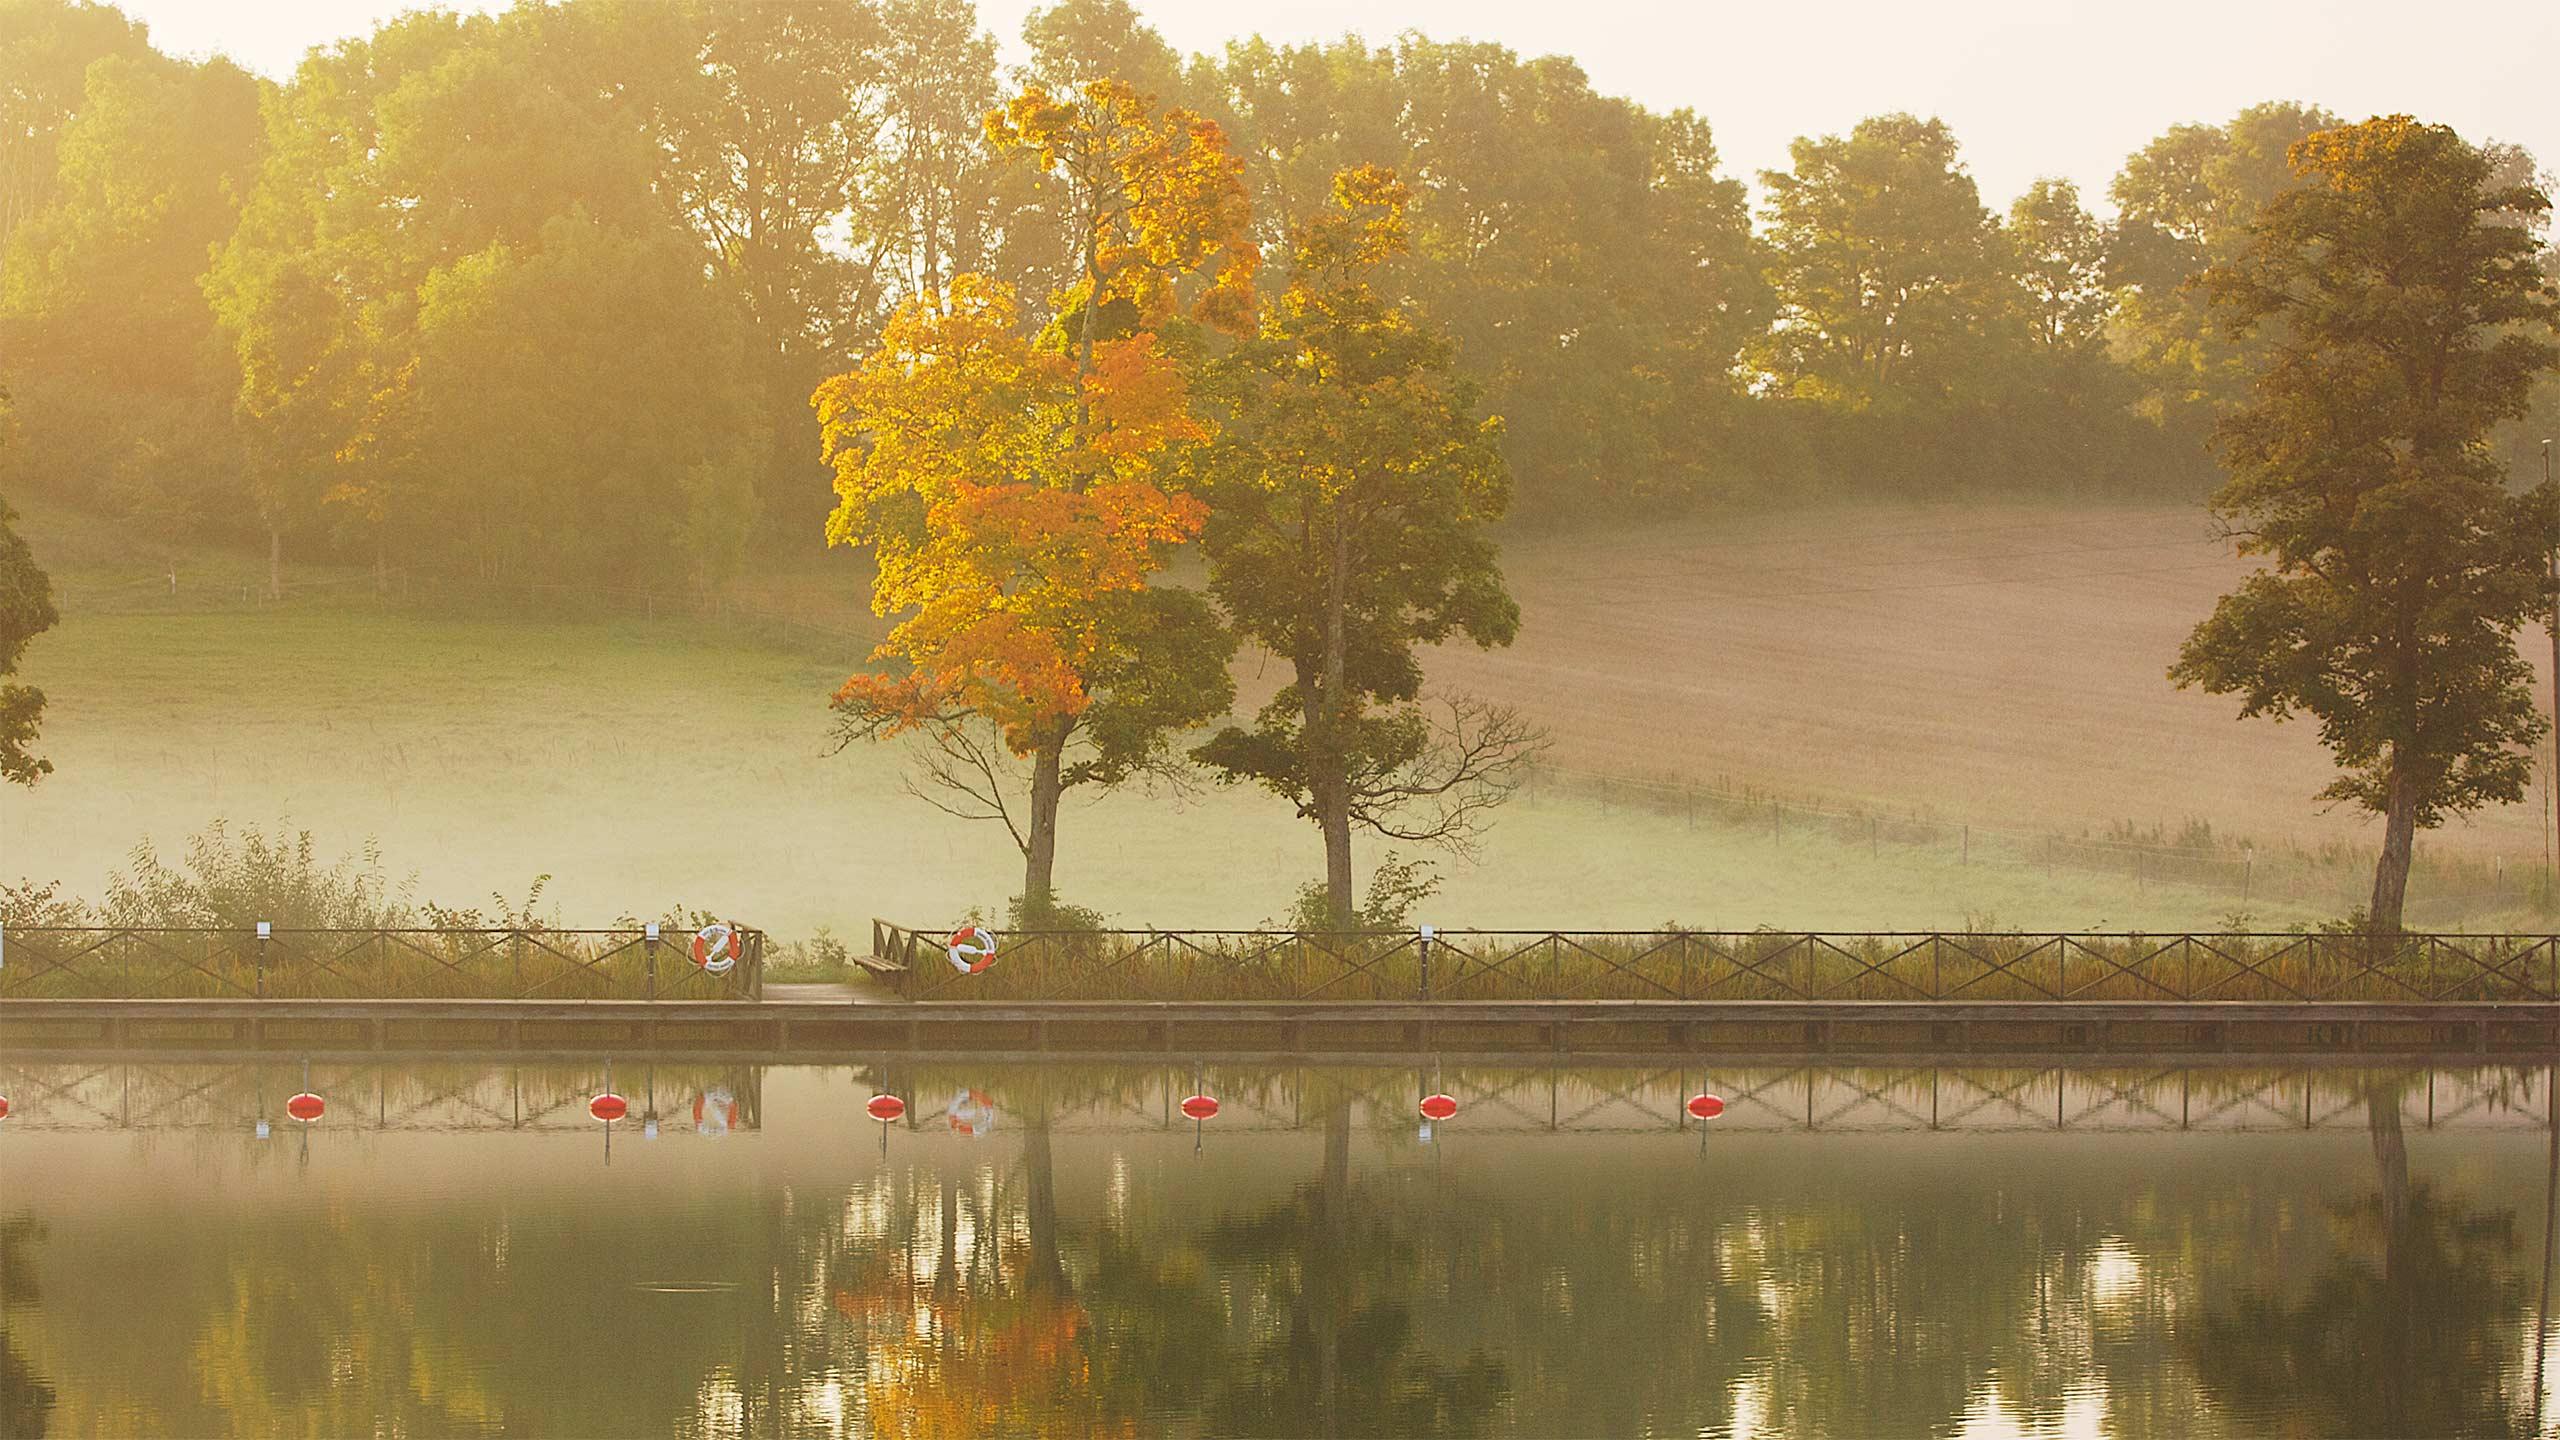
<point>1017,490</point>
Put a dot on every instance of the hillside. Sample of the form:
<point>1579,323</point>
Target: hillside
<point>2001,665</point>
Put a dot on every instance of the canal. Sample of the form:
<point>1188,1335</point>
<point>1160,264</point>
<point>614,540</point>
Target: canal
<point>1045,1250</point>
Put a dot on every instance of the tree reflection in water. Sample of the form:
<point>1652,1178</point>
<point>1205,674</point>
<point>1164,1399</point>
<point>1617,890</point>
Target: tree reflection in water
<point>2396,1335</point>
<point>26,1401</point>
<point>1080,1271</point>
<point>1345,1362</point>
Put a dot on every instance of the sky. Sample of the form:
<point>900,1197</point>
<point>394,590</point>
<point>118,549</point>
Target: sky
<point>2032,87</point>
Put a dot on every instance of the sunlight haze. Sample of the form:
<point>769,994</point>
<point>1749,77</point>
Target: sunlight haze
<point>2031,88</point>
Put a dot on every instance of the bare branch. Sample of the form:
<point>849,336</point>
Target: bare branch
<point>1475,755</point>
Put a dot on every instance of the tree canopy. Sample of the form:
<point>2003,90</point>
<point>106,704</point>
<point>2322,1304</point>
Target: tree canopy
<point>2404,278</point>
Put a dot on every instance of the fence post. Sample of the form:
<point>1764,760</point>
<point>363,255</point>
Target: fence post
<point>1426,962</point>
<point>266,932</point>
<point>649,947</point>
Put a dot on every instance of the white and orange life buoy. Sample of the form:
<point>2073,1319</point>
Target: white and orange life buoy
<point>715,948</point>
<point>973,948</point>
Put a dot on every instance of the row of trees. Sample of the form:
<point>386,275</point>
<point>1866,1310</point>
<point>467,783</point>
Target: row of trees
<point>549,289</point>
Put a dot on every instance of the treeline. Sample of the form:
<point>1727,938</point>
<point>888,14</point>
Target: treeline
<point>552,289</point>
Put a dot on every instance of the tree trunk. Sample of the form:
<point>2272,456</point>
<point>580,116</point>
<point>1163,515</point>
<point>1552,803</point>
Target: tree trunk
<point>275,562</point>
<point>1048,1274</point>
<point>1040,856</point>
<point>2391,1159</point>
<point>2399,840</point>
<point>1330,774</point>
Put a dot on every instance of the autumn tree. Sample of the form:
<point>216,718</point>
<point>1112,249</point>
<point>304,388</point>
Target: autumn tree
<point>26,611</point>
<point>2399,569</point>
<point>1017,488</point>
<point>1352,488</point>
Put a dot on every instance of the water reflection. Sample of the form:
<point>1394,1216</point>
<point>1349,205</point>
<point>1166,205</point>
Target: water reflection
<point>1055,1250</point>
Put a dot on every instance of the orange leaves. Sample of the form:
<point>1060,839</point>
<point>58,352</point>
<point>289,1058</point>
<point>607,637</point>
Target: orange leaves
<point>1001,512</point>
<point>1140,399</point>
<point>1014,495</point>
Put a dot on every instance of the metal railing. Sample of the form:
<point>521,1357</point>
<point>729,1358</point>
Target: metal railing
<point>1704,965</point>
<point>276,963</point>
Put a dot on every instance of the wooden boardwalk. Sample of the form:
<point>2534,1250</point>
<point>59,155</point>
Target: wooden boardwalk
<point>820,1021</point>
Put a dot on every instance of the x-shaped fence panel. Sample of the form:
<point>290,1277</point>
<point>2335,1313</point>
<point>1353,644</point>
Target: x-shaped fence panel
<point>280,962</point>
<point>398,1096</point>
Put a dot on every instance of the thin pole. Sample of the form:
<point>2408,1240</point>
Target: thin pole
<point>2555,646</point>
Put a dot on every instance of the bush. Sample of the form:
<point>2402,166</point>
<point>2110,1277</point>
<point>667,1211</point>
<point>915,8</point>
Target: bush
<point>1395,888</point>
<point>230,882</point>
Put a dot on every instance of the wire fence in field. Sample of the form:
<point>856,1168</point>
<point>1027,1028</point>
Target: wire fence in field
<point>447,587</point>
<point>2334,875</point>
<point>276,963</point>
<point>1448,965</point>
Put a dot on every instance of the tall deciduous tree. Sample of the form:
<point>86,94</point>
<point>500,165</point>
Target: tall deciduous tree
<point>1017,490</point>
<point>121,374</point>
<point>1886,265</point>
<point>2058,251</point>
<point>2184,203</point>
<point>1352,489</point>
<point>1017,510</point>
<point>2416,319</point>
<point>46,47</point>
<point>1595,270</point>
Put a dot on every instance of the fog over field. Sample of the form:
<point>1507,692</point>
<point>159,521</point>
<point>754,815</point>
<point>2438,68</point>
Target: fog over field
<point>1828,659</point>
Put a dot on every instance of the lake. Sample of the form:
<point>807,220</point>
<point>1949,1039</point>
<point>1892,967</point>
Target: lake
<point>1043,1250</point>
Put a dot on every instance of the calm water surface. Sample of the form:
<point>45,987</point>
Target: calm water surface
<point>1054,1250</point>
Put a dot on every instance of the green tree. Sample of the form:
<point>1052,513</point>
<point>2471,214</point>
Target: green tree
<point>1886,267</point>
<point>317,287</point>
<point>1076,42</point>
<point>421,172</point>
<point>2058,252</point>
<point>2184,203</point>
<point>123,380</point>
<point>2399,568</point>
<point>46,47</point>
<point>1349,499</point>
<point>770,134</point>
<point>2065,409</point>
<point>1596,272</point>
<point>518,344</point>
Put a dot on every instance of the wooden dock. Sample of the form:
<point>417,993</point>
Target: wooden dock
<point>824,1022</point>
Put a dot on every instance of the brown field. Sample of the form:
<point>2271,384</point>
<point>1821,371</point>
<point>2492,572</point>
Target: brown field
<point>2003,666</point>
